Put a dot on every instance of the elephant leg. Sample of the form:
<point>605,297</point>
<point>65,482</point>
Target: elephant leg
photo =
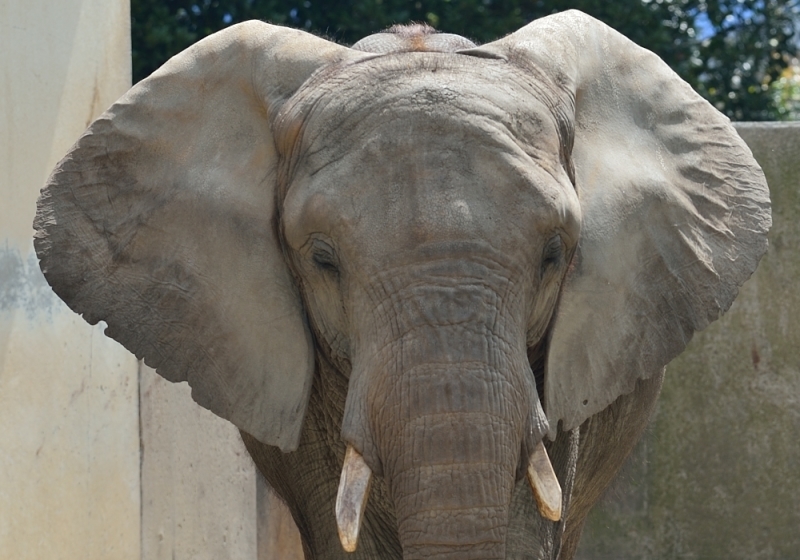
<point>606,441</point>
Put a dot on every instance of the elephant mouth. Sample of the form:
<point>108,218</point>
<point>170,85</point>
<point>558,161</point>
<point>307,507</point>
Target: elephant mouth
<point>356,478</point>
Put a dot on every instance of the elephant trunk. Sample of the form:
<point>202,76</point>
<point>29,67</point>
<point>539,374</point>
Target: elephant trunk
<point>441,403</point>
<point>453,470</point>
<point>450,438</point>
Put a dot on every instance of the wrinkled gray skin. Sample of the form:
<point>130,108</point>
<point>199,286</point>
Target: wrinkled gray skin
<point>435,253</point>
<point>427,304</point>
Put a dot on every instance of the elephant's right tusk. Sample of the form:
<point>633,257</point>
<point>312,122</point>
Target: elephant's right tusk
<point>352,498</point>
<point>544,483</point>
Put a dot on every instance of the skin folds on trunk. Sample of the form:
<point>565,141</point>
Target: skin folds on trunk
<point>448,409</point>
<point>451,465</point>
<point>455,509</point>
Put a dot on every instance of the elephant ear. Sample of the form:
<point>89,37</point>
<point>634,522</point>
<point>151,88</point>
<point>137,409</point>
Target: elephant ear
<point>675,212</point>
<point>161,221</point>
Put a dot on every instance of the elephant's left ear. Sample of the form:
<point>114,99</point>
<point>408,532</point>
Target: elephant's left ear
<point>161,221</point>
<point>675,212</point>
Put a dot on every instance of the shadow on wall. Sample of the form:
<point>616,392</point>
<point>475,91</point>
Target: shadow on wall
<point>22,286</point>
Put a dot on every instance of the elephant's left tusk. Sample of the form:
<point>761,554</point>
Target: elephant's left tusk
<point>352,498</point>
<point>544,483</point>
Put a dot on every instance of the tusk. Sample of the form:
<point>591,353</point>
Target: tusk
<point>352,497</point>
<point>544,483</point>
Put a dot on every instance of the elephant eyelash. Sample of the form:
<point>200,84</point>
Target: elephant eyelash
<point>324,258</point>
<point>325,262</point>
<point>553,253</point>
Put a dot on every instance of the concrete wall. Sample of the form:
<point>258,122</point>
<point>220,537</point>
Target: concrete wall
<point>718,473</point>
<point>202,498</point>
<point>69,444</point>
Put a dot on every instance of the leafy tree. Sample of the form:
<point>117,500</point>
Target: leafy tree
<point>786,91</point>
<point>731,51</point>
<point>744,46</point>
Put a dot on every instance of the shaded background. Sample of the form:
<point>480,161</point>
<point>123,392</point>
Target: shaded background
<point>739,54</point>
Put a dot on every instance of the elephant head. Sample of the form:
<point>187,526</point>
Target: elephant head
<point>492,243</point>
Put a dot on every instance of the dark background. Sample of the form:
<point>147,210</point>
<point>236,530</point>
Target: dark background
<point>733,52</point>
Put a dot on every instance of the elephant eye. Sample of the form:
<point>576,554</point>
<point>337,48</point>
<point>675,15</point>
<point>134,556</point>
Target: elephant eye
<point>553,254</point>
<point>324,257</point>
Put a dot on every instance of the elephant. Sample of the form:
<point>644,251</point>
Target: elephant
<point>435,285</point>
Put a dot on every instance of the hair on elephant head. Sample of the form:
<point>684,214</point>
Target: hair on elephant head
<point>416,257</point>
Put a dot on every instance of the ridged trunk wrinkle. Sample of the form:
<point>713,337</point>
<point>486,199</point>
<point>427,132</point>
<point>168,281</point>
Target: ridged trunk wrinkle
<point>440,399</point>
<point>451,464</point>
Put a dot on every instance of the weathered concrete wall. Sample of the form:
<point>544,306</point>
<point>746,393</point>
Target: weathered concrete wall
<point>69,437</point>
<point>198,481</point>
<point>718,473</point>
<point>278,537</point>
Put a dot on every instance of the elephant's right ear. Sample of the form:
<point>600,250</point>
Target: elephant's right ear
<point>161,221</point>
<point>675,210</point>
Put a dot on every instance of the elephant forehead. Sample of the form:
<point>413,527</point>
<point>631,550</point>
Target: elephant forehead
<point>432,152</point>
<point>410,191</point>
<point>411,95</point>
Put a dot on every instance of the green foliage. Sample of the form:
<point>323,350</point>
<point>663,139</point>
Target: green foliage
<point>748,50</point>
<point>731,51</point>
<point>786,91</point>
